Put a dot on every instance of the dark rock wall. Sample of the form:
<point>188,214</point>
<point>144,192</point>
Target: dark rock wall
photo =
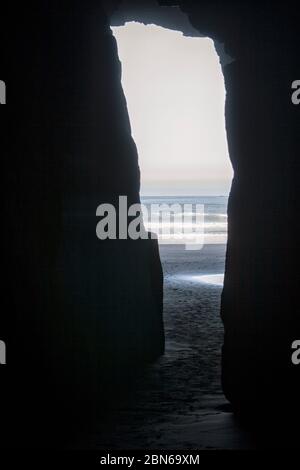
<point>259,304</point>
<point>77,310</point>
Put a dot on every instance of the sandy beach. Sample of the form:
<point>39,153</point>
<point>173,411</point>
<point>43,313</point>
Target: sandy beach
<point>178,403</point>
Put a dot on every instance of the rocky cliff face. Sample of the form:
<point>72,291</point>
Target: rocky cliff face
<point>79,310</point>
<point>259,306</point>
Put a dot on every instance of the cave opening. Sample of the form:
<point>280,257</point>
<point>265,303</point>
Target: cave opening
<point>175,94</point>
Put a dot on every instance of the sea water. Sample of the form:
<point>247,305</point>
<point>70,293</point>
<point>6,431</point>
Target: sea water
<point>215,214</point>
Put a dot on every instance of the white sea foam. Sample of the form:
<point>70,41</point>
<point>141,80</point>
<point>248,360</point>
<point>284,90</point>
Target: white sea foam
<point>213,222</point>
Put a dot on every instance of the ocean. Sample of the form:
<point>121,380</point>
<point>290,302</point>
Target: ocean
<point>212,212</point>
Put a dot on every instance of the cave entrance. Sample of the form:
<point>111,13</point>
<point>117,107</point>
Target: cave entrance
<point>175,94</point>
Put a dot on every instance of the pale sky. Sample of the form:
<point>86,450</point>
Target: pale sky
<point>175,95</point>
